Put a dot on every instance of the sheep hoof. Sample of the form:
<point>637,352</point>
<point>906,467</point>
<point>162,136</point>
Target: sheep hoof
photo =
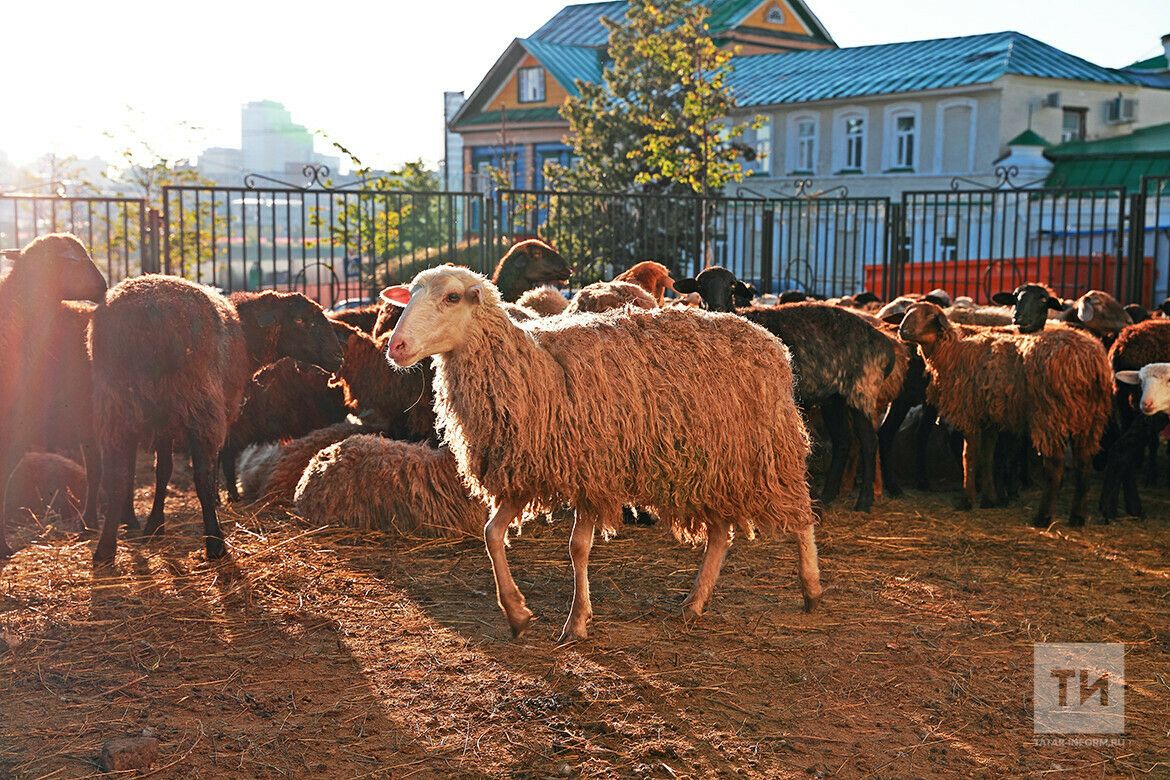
<point>5,550</point>
<point>154,527</point>
<point>691,615</point>
<point>103,558</point>
<point>131,523</point>
<point>519,623</point>
<point>570,635</point>
<point>811,602</point>
<point>215,549</point>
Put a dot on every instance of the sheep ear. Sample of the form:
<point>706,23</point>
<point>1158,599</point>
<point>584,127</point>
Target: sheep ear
<point>11,254</point>
<point>866,296</point>
<point>1085,310</point>
<point>1003,299</point>
<point>686,286</point>
<point>474,294</point>
<point>398,295</point>
<point>1055,304</point>
<point>895,318</point>
<point>1129,377</point>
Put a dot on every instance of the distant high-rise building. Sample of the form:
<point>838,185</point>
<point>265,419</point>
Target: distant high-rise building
<point>270,144</point>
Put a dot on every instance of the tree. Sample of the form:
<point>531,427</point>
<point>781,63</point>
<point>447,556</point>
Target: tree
<point>659,121</point>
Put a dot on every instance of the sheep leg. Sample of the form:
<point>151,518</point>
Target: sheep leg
<point>808,568</point>
<point>1053,474</point>
<point>164,463</point>
<point>988,490</point>
<point>203,463</point>
<point>970,472</point>
<point>837,424</point>
<point>1121,471</point>
<point>118,468</point>
<point>129,519</point>
<point>227,460</point>
<point>508,596</point>
<point>718,540</point>
<point>1083,457</point>
<point>8,460</point>
<point>580,544</point>
<point>868,439</point>
<point>93,485</point>
<point>926,426</point>
<point>886,434</point>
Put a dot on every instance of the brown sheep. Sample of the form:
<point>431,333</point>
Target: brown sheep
<point>1052,387</point>
<point>373,483</point>
<point>283,400</point>
<point>284,472</point>
<point>364,318</point>
<point>200,350</point>
<point>400,400</point>
<point>43,373</point>
<point>530,263</point>
<point>45,483</point>
<point>652,277</point>
<point>545,300</point>
<point>554,413</point>
<point>604,296</point>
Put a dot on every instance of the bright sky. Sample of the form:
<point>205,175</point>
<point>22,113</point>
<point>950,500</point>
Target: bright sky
<point>372,74</point>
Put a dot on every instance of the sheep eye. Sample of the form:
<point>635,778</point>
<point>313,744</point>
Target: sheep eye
<point>453,297</point>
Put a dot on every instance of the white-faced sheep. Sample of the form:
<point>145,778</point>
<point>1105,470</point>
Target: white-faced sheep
<point>374,483</point>
<point>546,300</point>
<point>554,413</point>
<point>202,349</point>
<point>1052,387</point>
<point>44,372</point>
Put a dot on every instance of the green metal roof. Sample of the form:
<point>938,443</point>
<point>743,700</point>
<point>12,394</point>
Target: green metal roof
<point>542,114</point>
<point>1153,63</point>
<point>567,64</point>
<point>1112,162</point>
<point>823,74</point>
<point>580,25</point>
<point>1029,138</point>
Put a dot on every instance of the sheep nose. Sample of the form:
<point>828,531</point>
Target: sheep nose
<point>1147,407</point>
<point>398,348</point>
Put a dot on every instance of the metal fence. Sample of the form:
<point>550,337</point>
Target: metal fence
<point>119,232</point>
<point>341,243</point>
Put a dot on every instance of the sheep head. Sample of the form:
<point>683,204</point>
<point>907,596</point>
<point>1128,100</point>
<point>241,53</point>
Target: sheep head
<point>924,324</point>
<point>1031,303</point>
<point>1154,380</point>
<point>57,267</point>
<point>1101,313</point>
<point>287,325</point>
<point>718,288</point>
<point>530,263</point>
<point>438,308</point>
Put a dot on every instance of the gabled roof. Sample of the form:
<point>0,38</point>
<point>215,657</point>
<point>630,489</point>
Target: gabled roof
<point>1112,162</point>
<point>1029,138</point>
<point>580,25</point>
<point>1155,64</point>
<point>822,74</point>
<point>567,64</point>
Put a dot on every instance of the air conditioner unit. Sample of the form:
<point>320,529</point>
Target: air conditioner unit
<point>1051,100</point>
<point>1121,110</point>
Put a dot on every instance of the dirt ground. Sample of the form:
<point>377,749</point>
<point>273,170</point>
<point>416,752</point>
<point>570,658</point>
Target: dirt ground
<point>326,653</point>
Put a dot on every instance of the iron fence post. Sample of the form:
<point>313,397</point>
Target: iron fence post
<point>767,268</point>
<point>150,246</point>
<point>1135,249</point>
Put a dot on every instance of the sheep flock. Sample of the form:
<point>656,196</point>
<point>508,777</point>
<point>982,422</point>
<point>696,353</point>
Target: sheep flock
<point>458,405</point>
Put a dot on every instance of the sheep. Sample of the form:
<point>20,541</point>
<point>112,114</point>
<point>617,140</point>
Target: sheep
<point>46,483</point>
<point>370,482</point>
<point>988,316</point>
<point>283,400</point>
<point>1053,387</point>
<point>1099,313</point>
<point>545,300</point>
<point>553,413</point>
<point>363,318</point>
<point>1153,379</point>
<point>843,364</point>
<point>604,296</point>
<point>253,468</point>
<point>1137,313</point>
<point>44,374</point>
<point>202,349</point>
<point>401,400</point>
<point>279,484</point>
<point>387,319</point>
<point>652,277</point>
<point>1137,346</point>
<point>520,313</point>
<point>529,264</point>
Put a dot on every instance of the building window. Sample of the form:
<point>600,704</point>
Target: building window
<point>954,136</point>
<point>531,85</point>
<point>1072,126</point>
<point>905,141</point>
<point>852,150</point>
<point>759,141</point>
<point>806,145</point>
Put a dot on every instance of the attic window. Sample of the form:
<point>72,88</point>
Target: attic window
<point>774,14</point>
<point>531,85</point>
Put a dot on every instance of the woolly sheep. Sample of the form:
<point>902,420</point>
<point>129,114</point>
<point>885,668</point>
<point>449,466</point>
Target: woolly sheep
<point>1154,383</point>
<point>370,482</point>
<point>202,349</point>
<point>546,300</point>
<point>44,373</point>
<point>652,277</point>
<point>604,296</point>
<point>400,400</point>
<point>254,467</point>
<point>529,264</point>
<point>279,484</point>
<point>46,483</point>
<point>553,413</point>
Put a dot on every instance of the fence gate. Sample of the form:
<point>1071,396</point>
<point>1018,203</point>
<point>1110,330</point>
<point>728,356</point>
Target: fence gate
<point>333,243</point>
<point>977,241</point>
<point>1150,242</point>
<point>120,233</point>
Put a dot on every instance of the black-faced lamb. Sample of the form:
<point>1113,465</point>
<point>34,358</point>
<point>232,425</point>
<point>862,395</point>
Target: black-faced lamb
<point>170,360</point>
<point>554,413</point>
<point>529,263</point>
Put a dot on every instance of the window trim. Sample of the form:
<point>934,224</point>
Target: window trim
<point>520,84</point>
<point>939,129</point>
<point>1082,114</point>
<point>841,140</point>
<point>890,163</point>
<point>793,145</point>
<point>762,165</point>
